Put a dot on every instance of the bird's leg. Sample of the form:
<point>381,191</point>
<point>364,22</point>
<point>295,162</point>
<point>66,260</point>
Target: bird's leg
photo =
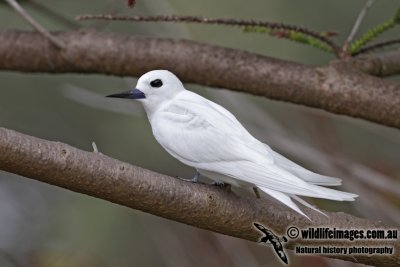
<point>194,179</point>
<point>255,189</point>
<point>196,176</point>
<point>223,185</point>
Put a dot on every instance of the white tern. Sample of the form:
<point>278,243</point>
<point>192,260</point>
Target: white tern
<point>206,136</point>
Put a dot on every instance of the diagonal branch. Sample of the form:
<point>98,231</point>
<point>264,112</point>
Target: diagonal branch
<point>36,25</point>
<point>358,22</point>
<point>52,14</point>
<point>374,32</point>
<point>199,205</point>
<point>339,87</point>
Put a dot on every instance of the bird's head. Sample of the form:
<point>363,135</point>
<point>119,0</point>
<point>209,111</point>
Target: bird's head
<point>153,89</point>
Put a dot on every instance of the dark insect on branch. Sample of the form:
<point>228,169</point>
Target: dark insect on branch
<point>322,38</point>
<point>131,3</point>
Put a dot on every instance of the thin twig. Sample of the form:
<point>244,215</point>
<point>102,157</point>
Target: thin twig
<point>111,8</point>
<point>358,22</point>
<point>219,21</point>
<point>61,19</point>
<point>35,24</point>
<point>374,32</point>
<point>376,46</point>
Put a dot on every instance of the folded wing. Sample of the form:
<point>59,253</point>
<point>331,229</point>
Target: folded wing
<point>206,136</point>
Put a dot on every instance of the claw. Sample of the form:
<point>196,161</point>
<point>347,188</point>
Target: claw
<point>255,189</point>
<point>223,185</point>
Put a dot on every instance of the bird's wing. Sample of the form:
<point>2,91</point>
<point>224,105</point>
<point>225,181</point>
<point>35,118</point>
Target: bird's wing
<point>272,177</point>
<point>197,131</point>
<point>289,165</point>
<point>303,173</point>
<point>209,138</point>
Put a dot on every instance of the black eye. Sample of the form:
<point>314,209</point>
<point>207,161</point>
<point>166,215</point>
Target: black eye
<point>156,83</point>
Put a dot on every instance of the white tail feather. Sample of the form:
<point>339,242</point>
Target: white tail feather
<point>303,173</point>
<point>302,201</point>
<point>333,194</point>
<point>285,199</point>
<point>276,178</point>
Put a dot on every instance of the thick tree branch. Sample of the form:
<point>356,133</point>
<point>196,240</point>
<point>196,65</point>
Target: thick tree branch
<point>199,205</point>
<point>379,64</point>
<point>340,87</point>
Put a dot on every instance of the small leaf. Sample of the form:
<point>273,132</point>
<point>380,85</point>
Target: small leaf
<point>374,32</point>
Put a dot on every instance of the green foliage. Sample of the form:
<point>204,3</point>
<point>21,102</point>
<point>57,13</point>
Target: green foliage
<point>321,40</point>
<point>397,16</point>
<point>292,35</point>
<point>373,33</point>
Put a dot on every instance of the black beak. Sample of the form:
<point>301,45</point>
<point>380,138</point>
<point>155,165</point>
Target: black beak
<point>131,94</point>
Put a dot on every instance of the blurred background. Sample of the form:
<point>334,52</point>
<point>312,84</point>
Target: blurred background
<point>42,225</point>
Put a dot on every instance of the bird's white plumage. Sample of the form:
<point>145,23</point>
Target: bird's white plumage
<point>206,136</point>
<point>197,133</point>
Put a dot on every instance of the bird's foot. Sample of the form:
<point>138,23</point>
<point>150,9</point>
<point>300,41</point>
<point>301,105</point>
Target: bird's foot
<point>194,179</point>
<point>255,189</point>
<point>222,185</point>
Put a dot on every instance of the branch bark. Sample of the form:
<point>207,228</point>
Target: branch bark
<point>199,205</point>
<point>381,65</point>
<point>343,87</point>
